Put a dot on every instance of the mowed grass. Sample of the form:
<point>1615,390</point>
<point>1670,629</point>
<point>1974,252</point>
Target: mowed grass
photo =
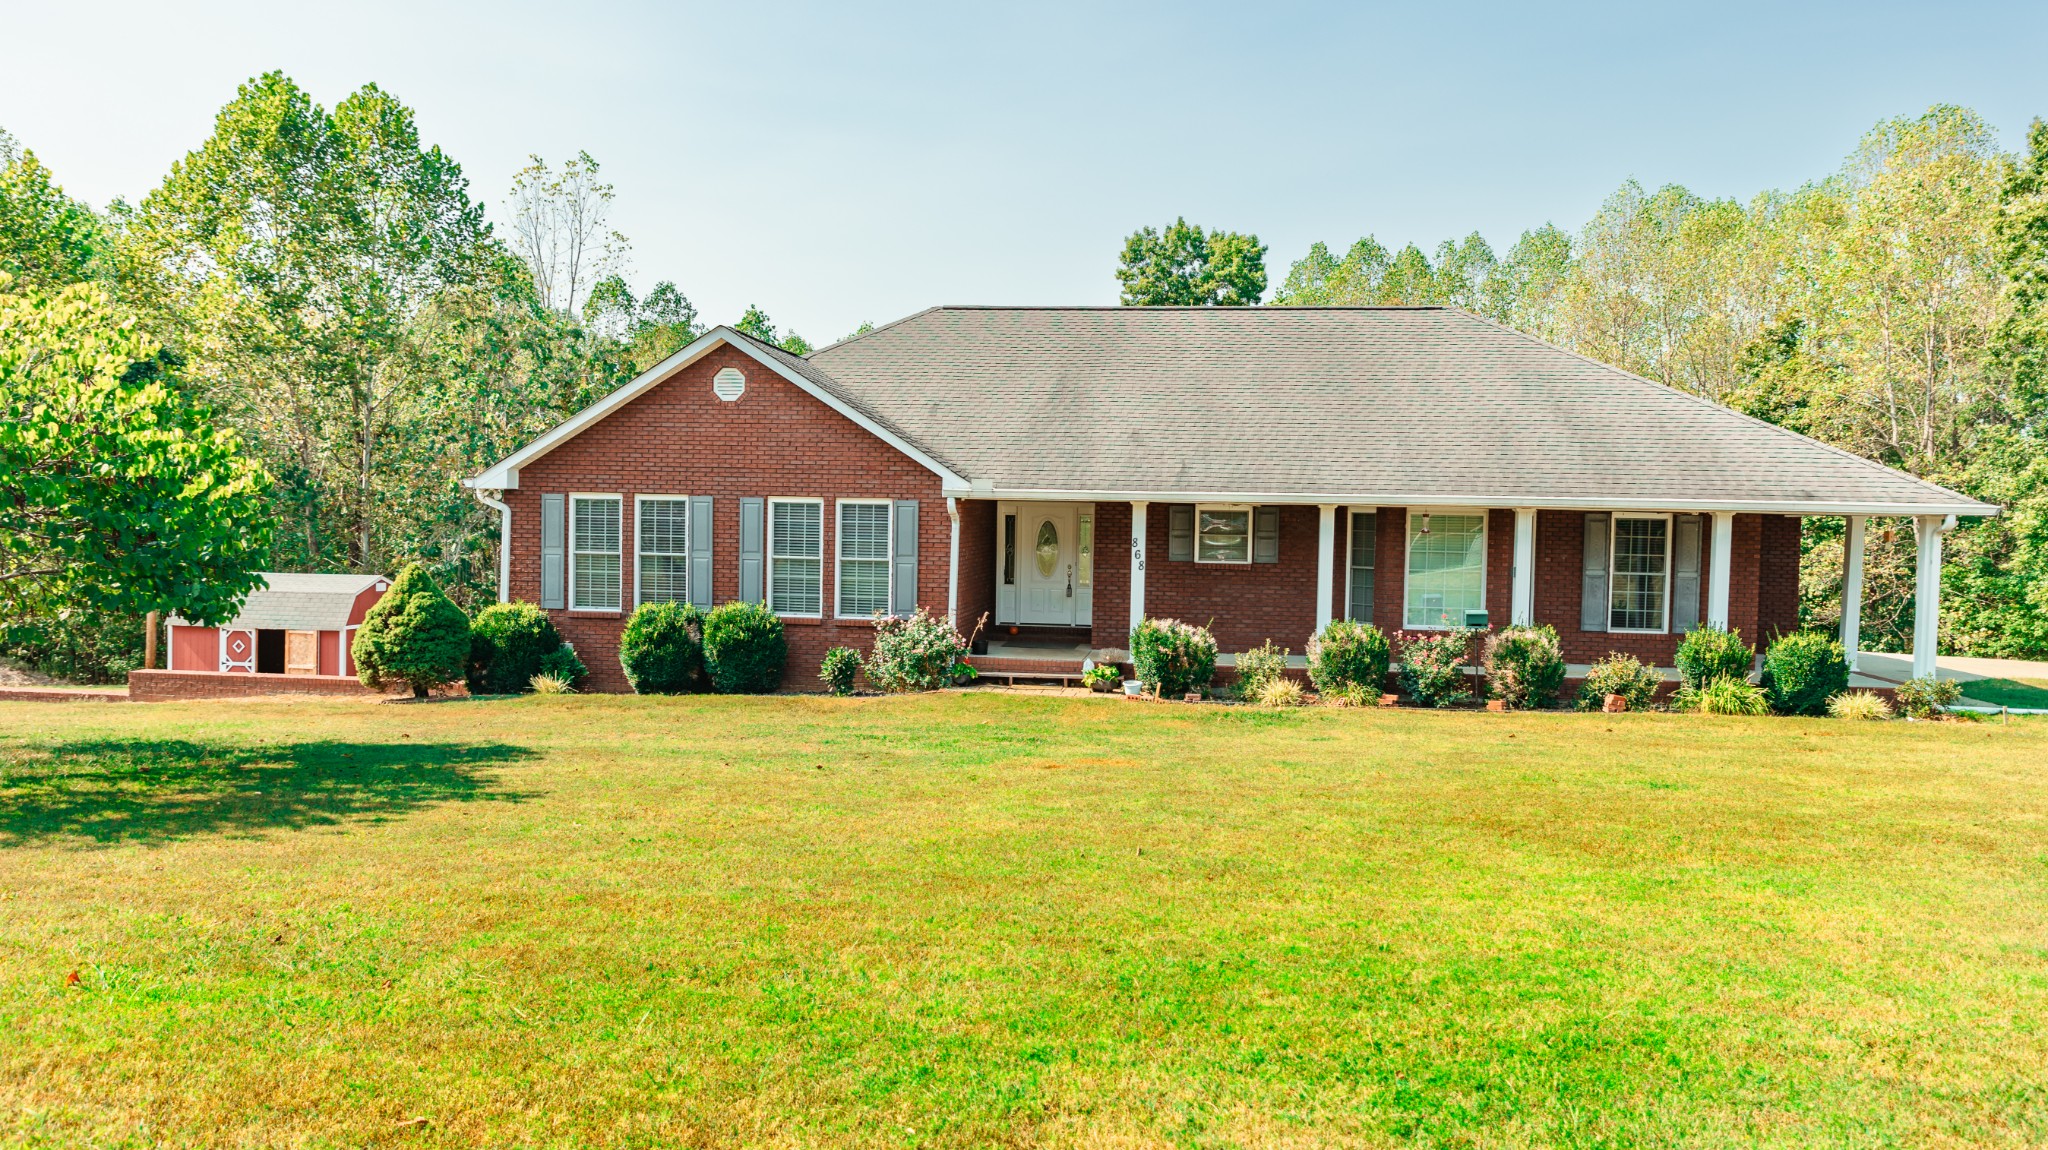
<point>998,919</point>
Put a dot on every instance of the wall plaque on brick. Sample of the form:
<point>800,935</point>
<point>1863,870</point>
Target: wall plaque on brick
<point>729,384</point>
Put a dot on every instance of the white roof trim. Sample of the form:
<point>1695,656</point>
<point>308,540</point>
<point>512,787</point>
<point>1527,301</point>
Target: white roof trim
<point>1456,499</point>
<point>504,475</point>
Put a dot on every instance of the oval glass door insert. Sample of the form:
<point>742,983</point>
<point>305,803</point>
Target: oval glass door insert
<point>1048,551</point>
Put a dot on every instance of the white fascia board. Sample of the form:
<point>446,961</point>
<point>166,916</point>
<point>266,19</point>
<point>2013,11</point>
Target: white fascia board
<point>1411,499</point>
<point>504,475</point>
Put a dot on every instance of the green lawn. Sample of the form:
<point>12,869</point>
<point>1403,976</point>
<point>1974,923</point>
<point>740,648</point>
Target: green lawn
<point>992,918</point>
<point>2008,692</point>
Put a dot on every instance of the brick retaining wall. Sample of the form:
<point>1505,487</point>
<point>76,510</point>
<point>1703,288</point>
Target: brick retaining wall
<point>158,686</point>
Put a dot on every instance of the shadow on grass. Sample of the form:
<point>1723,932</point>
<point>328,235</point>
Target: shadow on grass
<point>118,790</point>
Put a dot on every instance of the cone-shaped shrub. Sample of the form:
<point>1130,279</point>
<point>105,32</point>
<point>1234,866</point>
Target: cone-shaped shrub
<point>414,635</point>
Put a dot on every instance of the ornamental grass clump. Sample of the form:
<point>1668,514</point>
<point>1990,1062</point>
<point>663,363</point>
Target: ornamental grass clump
<point>507,642</point>
<point>1258,667</point>
<point>1710,653</point>
<point>1281,692</point>
<point>546,684</point>
<point>1802,671</point>
<point>662,649</point>
<point>1524,666</point>
<point>917,653</point>
<point>1433,666</point>
<point>414,635</point>
<point>1622,675</point>
<point>1927,696</point>
<point>1726,695</point>
<point>1859,705</point>
<point>1348,653</point>
<point>1171,657</point>
<point>744,648</point>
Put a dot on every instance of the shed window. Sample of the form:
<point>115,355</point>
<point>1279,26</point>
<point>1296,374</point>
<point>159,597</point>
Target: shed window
<point>594,552</point>
<point>863,578</point>
<point>796,548</point>
<point>1641,566</point>
<point>661,533</point>
<point>1223,534</point>
<point>1446,569</point>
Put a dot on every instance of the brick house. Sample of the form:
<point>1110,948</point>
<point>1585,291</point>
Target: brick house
<point>1064,472</point>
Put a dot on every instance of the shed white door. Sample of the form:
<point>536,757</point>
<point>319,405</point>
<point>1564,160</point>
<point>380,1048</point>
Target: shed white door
<point>1047,547</point>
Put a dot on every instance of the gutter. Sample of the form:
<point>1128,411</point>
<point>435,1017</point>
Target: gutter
<point>1412,499</point>
<point>504,540</point>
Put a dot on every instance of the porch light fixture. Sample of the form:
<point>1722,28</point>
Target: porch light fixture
<point>1889,534</point>
<point>1425,523</point>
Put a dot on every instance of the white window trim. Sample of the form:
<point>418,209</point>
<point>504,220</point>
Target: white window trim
<point>768,555</point>
<point>1613,582</point>
<point>1351,569</point>
<point>1407,570</point>
<point>569,576</point>
<point>1251,527</point>
<point>640,547</point>
<point>888,560</point>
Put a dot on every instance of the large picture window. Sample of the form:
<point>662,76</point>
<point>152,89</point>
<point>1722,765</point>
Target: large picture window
<point>796,549</point>
<point>863,578</point>
<point>661,534</point>
<point>1364,550</point>
<point>1223,534</point>
<point>594,552</point>
<point>1642,567</point>
<point>1446,568</point>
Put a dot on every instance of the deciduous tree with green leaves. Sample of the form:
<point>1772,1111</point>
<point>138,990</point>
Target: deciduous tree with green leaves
<point>1187,267</point>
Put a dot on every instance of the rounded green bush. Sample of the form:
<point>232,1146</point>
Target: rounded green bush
<point>1524,665</point>
<point>1709,653</point>
<point>506,644</point>
<point>744,648</point>
<point>662,649</point>
<point>1433,666</point>
<point>915,653</point>
<point>562,663</point>
<point>1623,675</point>
<point>1802,671</point>
<point>1173,656</point>
<point>414,635</point>
<point>840,669</point>
<point>1348,653</point>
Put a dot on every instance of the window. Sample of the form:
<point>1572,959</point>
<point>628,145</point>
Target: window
<point>1364,548</point>
<point>1009,550</point>
<point>1085,569</point>
<point>594,552</point>
<point>863,578</point>
<point>796,549</point>
<point>1223,534</point>
<point>661,532</point>
<point>1641,566</point>
<point>1446,568</point>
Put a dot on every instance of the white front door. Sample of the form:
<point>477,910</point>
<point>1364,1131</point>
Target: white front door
<point>1047,549</point>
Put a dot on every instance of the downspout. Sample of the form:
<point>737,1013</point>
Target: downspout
<point>504,542</point>
<point>953,566</point>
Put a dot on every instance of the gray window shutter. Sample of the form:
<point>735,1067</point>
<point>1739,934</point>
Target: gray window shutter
<point>1180,532</point>
<point>1593,605</point>
<point>700,551</point>
<point>1266,535</point>
<point>752,558</point>
<point>1685,572</point>
<point>903,558</point>
<point>553,527</point>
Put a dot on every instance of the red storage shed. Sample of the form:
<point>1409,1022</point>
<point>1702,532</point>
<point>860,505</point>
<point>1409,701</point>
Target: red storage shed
<point>295,624</point>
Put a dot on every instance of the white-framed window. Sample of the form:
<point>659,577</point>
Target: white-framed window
<point>1364,539</point>
<point>594,552</point>
<point>1640,589</point>
<point>1223,533</point>
<point>1084,567</point>
<point>796,557</point>
<point>1446,568</point>
<point>862,580</point>
<point>661,534</point>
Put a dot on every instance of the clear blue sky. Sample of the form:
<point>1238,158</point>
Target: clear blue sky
<point>834,165</point>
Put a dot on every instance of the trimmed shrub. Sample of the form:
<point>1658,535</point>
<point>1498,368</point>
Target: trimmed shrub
<point>546,684</point>
<point>506,644</point>
<point>917,653</point>
<point>1802,671</point>
<point>1623,675</point>
<point>562,663</point>
<point>1173,657</point>
<point>1925,696</point>
<point>662,649</point>
<point>1728,696</point>
<point>1347,653</point>
<point>1280,692</point>
<point>1258,667</point>
<point>839,669</point>
<point>1709,653</point>
<point>1524,666</point>
<point>414,635</point>
<point>1433,666</point>
<point>1862,705</point>
<point>744,649</point>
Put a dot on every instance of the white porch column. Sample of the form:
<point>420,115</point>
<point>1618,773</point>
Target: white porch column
<point>1326,562</point>
<point>1717,578</point>
<point>953,566</point>
<point>1852,587</point>
<point>1927,593</point>
<point>1522,602</point>
<point>1137,562</point>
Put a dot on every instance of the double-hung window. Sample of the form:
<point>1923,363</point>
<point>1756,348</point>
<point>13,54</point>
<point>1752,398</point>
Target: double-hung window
<point>594,552</point>
<point>796,549</point>
<point>1364,554</point>
<point>1446,568</point>
<point>863,576</point>
<point>1642,573</point>
<point>1223,534</point>
<point>661,533</point>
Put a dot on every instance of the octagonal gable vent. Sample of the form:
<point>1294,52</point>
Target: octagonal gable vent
<point>728,384</point>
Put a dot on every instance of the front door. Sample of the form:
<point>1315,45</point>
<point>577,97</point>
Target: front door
<point>1047,547</point>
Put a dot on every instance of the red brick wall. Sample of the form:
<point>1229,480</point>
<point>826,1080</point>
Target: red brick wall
<point>1778,578</point>
<point>1111,621</point>
<point>147,686</point>
<point>680,439</point>
<point>978,563</point>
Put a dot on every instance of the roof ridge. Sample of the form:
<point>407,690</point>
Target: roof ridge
<point>878,330</point>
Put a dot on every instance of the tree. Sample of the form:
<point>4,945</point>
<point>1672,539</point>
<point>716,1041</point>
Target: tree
<point>414,635</point>
<point>560,228</point>
<point>1186,267</point>
<point>121,497</point>
<point>47,239</point>
<point>757,324</point>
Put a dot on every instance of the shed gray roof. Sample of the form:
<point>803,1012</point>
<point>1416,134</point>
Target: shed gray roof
<point>1360,405</point>
<point>292,601</point>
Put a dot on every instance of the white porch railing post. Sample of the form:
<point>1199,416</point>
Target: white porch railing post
<point>1522,601</point>
<point>1326,562</point>
<point>1717,578</point>
<point>1927,593</point>
<point>1137,562</point>
<point>1852,587</point>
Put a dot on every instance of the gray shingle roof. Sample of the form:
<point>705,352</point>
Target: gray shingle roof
<point>292,601</point>
<point>1386,405</point>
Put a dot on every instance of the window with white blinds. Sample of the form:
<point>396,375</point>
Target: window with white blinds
<point>661,533</point>
<point>863,575</point>
<point>796,549</point>
<point>1642,567</point>
<point>594,552</point>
